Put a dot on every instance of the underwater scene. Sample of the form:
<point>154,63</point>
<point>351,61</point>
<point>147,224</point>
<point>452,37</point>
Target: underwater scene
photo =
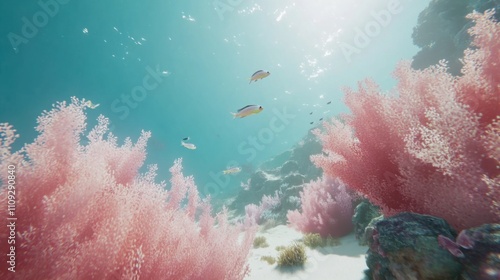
<point>251,140</point>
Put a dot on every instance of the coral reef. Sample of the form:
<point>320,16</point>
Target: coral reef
<point>478,250</point>
<point>326,209</point>
<point>432,145</point>
<point>255,214</point>
<point>283,176</point>
<point>85,212</point>
<point>293,255</point>
<point>441,31</point>
<point>424,247</point>
<point>364,213</point>
<point>406,246</point>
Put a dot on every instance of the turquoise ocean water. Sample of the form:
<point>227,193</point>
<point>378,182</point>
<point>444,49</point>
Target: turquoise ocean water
<point>178,68</point>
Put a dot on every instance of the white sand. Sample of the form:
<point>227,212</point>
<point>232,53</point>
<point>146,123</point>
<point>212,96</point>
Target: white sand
<point>344,262</point>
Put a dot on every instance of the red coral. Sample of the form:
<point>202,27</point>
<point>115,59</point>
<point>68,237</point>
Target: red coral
<point>432,145</point>
<point>85,212</point>
<point>326,209</point>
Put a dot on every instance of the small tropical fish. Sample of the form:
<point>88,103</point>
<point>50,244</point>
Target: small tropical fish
<point>311,113</point>
<point>451,246</point>
<point>185,139</point>
<point>189,146</point>
<point>232,170</point>
<point>464,240</point>
<point>320,119</point>
<point>247,111</point>
<point>329,102</point>
<point>91,105</point>
<point>311,122</point>
<point>261,74</point>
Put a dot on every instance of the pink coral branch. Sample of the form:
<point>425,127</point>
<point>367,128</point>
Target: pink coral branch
<point>85,211</point>
<point>326,209</point>
<point>432,145</point>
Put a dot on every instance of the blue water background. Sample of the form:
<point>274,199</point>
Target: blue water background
<point>202,59</point>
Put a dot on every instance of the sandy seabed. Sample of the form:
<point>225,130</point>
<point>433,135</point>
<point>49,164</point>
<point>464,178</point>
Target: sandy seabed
<point>343,262</point>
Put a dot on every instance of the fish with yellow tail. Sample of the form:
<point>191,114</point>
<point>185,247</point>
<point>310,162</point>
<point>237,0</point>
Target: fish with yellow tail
<point>247,111</point>
<point>261,74</point>
<point>91,105</point>
<point>232,170</point>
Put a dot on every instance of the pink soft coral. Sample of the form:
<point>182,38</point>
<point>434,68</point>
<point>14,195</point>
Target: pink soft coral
<point>431,147</point>
<point>85,212</point>
<point>256,214</point>
<point>326,209</point>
